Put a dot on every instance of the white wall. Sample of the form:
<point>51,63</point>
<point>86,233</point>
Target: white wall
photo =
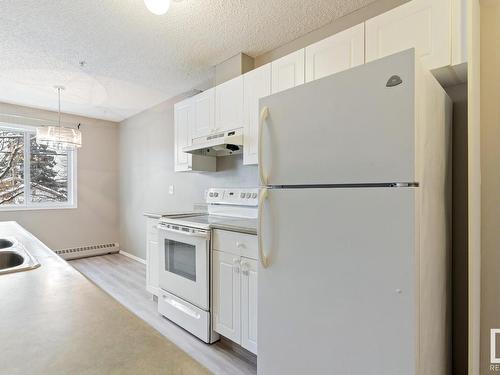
<point>95,220</point>
<point>146,154</point>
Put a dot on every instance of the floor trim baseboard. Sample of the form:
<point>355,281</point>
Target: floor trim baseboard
<point>131,256</point>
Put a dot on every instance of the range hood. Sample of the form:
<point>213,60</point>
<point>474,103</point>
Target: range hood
<point>225,143</point>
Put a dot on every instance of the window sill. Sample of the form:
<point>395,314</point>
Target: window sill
<point>40,207</point>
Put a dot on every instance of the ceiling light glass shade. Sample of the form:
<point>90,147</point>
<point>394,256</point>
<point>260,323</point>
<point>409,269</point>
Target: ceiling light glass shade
<point>59,137</point>
<point>157,7</point>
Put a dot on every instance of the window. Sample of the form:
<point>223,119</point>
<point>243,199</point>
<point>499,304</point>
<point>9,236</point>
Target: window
<point>33,176</point>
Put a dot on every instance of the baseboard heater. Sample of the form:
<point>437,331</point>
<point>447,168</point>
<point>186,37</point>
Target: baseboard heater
<point>88,251</point>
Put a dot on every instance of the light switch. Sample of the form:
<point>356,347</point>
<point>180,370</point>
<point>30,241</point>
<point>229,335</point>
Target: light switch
<point>171,189</point>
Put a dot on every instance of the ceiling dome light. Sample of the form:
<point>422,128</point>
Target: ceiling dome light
<point>157,7</point>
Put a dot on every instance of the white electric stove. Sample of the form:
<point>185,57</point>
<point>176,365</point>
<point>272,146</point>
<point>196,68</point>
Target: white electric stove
<point>184,245</point>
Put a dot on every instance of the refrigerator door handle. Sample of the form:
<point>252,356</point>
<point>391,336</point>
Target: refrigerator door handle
<point>264,114</point>
<point>264,259</point>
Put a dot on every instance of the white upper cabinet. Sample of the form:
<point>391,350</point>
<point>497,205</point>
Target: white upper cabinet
<point>204,113</point>
<point>288,71</point>
<point>184,119</point>
<point>183,115</point>
<point>257,84</point>
<point>336,53</point>
<point>422,24</point>
<point>229,105</point>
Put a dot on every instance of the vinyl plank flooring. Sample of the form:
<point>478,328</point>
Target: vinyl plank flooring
<point>125,280</point>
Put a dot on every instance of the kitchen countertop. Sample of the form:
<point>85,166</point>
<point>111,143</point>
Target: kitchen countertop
<point>55,321</point>
<point>197,208</point>
<point>248,226</point>
<point>153,215</point>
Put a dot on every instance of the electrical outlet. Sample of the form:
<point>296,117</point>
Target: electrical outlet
<point>171,189</point>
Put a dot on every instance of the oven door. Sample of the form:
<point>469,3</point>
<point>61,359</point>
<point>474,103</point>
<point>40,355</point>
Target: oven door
<point>184,254</point>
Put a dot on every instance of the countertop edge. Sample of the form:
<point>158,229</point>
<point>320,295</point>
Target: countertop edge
<point>234,229</point>
<point>152,215</point>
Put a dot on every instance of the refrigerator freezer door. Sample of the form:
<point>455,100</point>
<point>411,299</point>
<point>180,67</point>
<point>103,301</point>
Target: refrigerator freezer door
<point>355,126</point>
<point>338,296</point>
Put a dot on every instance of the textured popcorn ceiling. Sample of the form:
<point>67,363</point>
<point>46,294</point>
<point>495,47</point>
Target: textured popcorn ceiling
<point>134,58</point>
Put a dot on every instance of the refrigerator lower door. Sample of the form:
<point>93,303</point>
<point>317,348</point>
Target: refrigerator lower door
<point>338,295</point>
<point>346,128</point>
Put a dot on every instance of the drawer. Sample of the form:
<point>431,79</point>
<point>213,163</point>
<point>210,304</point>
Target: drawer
<point>235,243</point>
<point>188,316</point>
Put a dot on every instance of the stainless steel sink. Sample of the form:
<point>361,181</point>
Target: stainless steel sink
<point>5,243</point>
<point>10,259</point>
<point>14,257</point>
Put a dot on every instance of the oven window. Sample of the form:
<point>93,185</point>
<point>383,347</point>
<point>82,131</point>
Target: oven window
<point>180,258</point>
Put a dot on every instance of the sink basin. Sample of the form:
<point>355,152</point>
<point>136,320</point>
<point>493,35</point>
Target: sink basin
<point>9,259</point>
<point>14,257</point>
<point>5,243</point>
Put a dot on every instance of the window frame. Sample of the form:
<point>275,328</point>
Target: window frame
<point>72,177</point>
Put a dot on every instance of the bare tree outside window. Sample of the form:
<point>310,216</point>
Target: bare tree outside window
<point>11,167</point>
<point>47,172</point>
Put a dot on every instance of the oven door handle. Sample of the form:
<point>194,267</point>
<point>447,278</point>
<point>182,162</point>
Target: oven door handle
<point>190,234</point>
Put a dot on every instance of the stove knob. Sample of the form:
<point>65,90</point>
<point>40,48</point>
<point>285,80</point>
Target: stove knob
<point>254,195</point>
<point>211,195</point>
<point>216,195</point>
<point>242,195</point>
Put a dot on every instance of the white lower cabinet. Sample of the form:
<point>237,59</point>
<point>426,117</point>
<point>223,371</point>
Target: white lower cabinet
<point>152,257</point>
<point>249,304</point>
<point>226,295</point>
<point>234,291</point>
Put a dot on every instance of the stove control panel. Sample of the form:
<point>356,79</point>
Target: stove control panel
<point>240,197</point>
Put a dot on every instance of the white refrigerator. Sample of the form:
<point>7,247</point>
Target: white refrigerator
<point>354,224</point>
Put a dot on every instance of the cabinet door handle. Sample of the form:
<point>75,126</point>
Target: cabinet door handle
<point>236,265</point>
<point>264,114</point>
<point>244,268</point>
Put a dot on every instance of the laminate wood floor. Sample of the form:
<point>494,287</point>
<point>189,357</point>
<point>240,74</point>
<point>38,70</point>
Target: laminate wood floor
<point>125,279</point>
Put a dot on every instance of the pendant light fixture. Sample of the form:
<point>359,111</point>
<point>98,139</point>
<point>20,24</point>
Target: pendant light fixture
<point>59,137</point>
<point>158,7</point>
